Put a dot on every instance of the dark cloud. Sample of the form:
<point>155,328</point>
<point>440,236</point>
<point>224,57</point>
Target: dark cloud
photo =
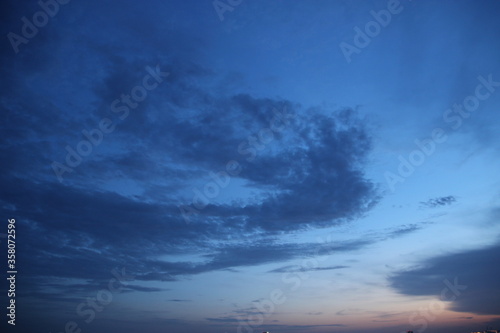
<point>84,289</point>
<point>438,202</point>
<point>310,175</point>
<point>119,207</point>
<point>142,288</point>
<point>252,255</point>
<point>88,241</point>
<point>295,268</point>
<point>223,320</point>
<point>475,271</point>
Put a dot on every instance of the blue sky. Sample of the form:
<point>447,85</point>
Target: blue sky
<point>227,166</point>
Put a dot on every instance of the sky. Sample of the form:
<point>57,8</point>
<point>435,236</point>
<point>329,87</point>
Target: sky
<point>247,166</point>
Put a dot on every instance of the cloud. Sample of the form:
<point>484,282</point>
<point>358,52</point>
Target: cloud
<point>86,288</point>
<point>223,320</point>
<point>302,327</point>
<point>231,320</point>
<point>119,206</point>
<point>438,202</point>
<point>296,268</point>
<point>348,312</point>
<point>404,230</point>
<point>89,242</point>
<point>380,316</point>
<point>92,235</point>
<point>315,313</point>
<point>132,287</point>
<point>476,270</point>
<point>256,254</point>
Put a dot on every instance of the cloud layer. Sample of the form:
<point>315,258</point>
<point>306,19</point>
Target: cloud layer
<point>298,167</point>
<point>476,272</point>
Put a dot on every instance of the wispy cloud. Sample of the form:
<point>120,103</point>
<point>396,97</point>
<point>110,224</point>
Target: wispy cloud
<point>296,268</point>
<point>438,202</point>
<point>404,230</point>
